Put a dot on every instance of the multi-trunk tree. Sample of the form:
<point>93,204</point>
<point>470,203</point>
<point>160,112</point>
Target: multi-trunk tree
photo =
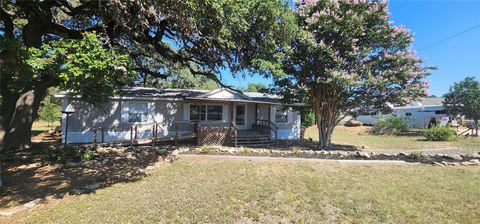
<point>348,56</point>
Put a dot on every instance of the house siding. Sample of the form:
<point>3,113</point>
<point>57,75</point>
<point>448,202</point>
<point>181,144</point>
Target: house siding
<point>109,117</point>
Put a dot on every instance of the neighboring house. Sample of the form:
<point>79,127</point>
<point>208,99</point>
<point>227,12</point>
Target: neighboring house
<point>417,113</point>
<point>141,113</point>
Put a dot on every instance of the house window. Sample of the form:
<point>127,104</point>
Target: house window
<point>281,115</point>
<point>440,112</point>
<point>137,112</point>
<point>206,112</point>
<point>240,115</point>
<point>197,112</point>
<point>408,114</point>
<point>214,113</point>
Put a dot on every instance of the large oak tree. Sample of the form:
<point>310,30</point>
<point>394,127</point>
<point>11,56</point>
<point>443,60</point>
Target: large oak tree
<point>203,36</point>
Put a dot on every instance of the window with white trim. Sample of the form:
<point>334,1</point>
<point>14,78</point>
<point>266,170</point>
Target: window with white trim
<point>137,112</point>
<point>281,115</point>
<point>206,112</point>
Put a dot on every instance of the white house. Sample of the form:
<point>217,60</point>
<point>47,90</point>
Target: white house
<point>140,113</point>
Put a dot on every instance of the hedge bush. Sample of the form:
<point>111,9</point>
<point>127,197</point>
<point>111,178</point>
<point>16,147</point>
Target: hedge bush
<point>390,126</point>
<point>438,133</point>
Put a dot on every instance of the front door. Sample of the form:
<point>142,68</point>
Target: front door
<point>241,116</point>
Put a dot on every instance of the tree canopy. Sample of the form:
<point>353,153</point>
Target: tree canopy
<point>348,55</point>
<point>464,99</point>
<point>256,87</point>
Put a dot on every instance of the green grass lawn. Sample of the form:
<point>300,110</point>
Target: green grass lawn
<point>194,190</point>
<point>396,143</point>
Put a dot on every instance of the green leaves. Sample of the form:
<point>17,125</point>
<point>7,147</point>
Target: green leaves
<point>85,67</point>
<point>464,99</point>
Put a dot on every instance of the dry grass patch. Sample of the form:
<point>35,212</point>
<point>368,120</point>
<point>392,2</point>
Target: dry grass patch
<point>233,191</point>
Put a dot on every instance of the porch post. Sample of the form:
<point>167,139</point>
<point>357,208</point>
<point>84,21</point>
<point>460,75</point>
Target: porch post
<point>269,111</point>
<point>234,123</point>
<point>256,112</point>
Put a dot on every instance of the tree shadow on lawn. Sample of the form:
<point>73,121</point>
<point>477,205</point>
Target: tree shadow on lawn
<point>26,177</point>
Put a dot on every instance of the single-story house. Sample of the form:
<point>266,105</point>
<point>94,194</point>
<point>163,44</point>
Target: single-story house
<point>417,114</point>
<point>216,116</point>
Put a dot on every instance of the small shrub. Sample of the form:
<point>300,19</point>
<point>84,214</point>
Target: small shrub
<point>88,155</point>
<point>296,151</point>
<point>416,155</point>
<point>390,126</point>
<point>246,151</point>
<point>206,150</point>
<point>438,133</point>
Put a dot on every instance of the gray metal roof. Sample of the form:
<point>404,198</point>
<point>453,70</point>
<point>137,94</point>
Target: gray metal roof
<point>159,93</point>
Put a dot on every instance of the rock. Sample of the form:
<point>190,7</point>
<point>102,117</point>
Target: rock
<point>475,161</point>
<point>92,186</point>
<point>309,152</point>
<point>151,167</point>
<point>444,163</point>
<point>174,153</point>
<point>342,153</point>
<point>363,154</point>
<point>131,156</point>
<point>128,175</point>
<point>17,209</point>
<point>89,163</point>
<point>474,156</point>
<point>160,151</point>
<point>169,159</point>
<point>118,158</point>
<point>107,162</point>
<point>453,157</point>
<point>438,164</point>
<point>120,151</point>
<point>160,159</point>
<point>77,191</point>
<point>140,171</point>
<point>72,164</point>
<point>31,204</point>
<point>402,154</point>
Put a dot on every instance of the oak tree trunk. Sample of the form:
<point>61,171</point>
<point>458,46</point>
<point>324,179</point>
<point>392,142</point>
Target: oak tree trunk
<point>26,111</point>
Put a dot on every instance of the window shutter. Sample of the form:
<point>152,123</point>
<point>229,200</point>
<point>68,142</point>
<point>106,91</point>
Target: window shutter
<point>186,111</point>
<point>224,112</point>
<point>124,112</point>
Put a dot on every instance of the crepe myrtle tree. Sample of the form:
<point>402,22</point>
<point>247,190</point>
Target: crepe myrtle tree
<point>348,56</point>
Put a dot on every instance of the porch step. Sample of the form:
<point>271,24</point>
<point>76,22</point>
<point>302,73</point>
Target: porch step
<point>254,140</point>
